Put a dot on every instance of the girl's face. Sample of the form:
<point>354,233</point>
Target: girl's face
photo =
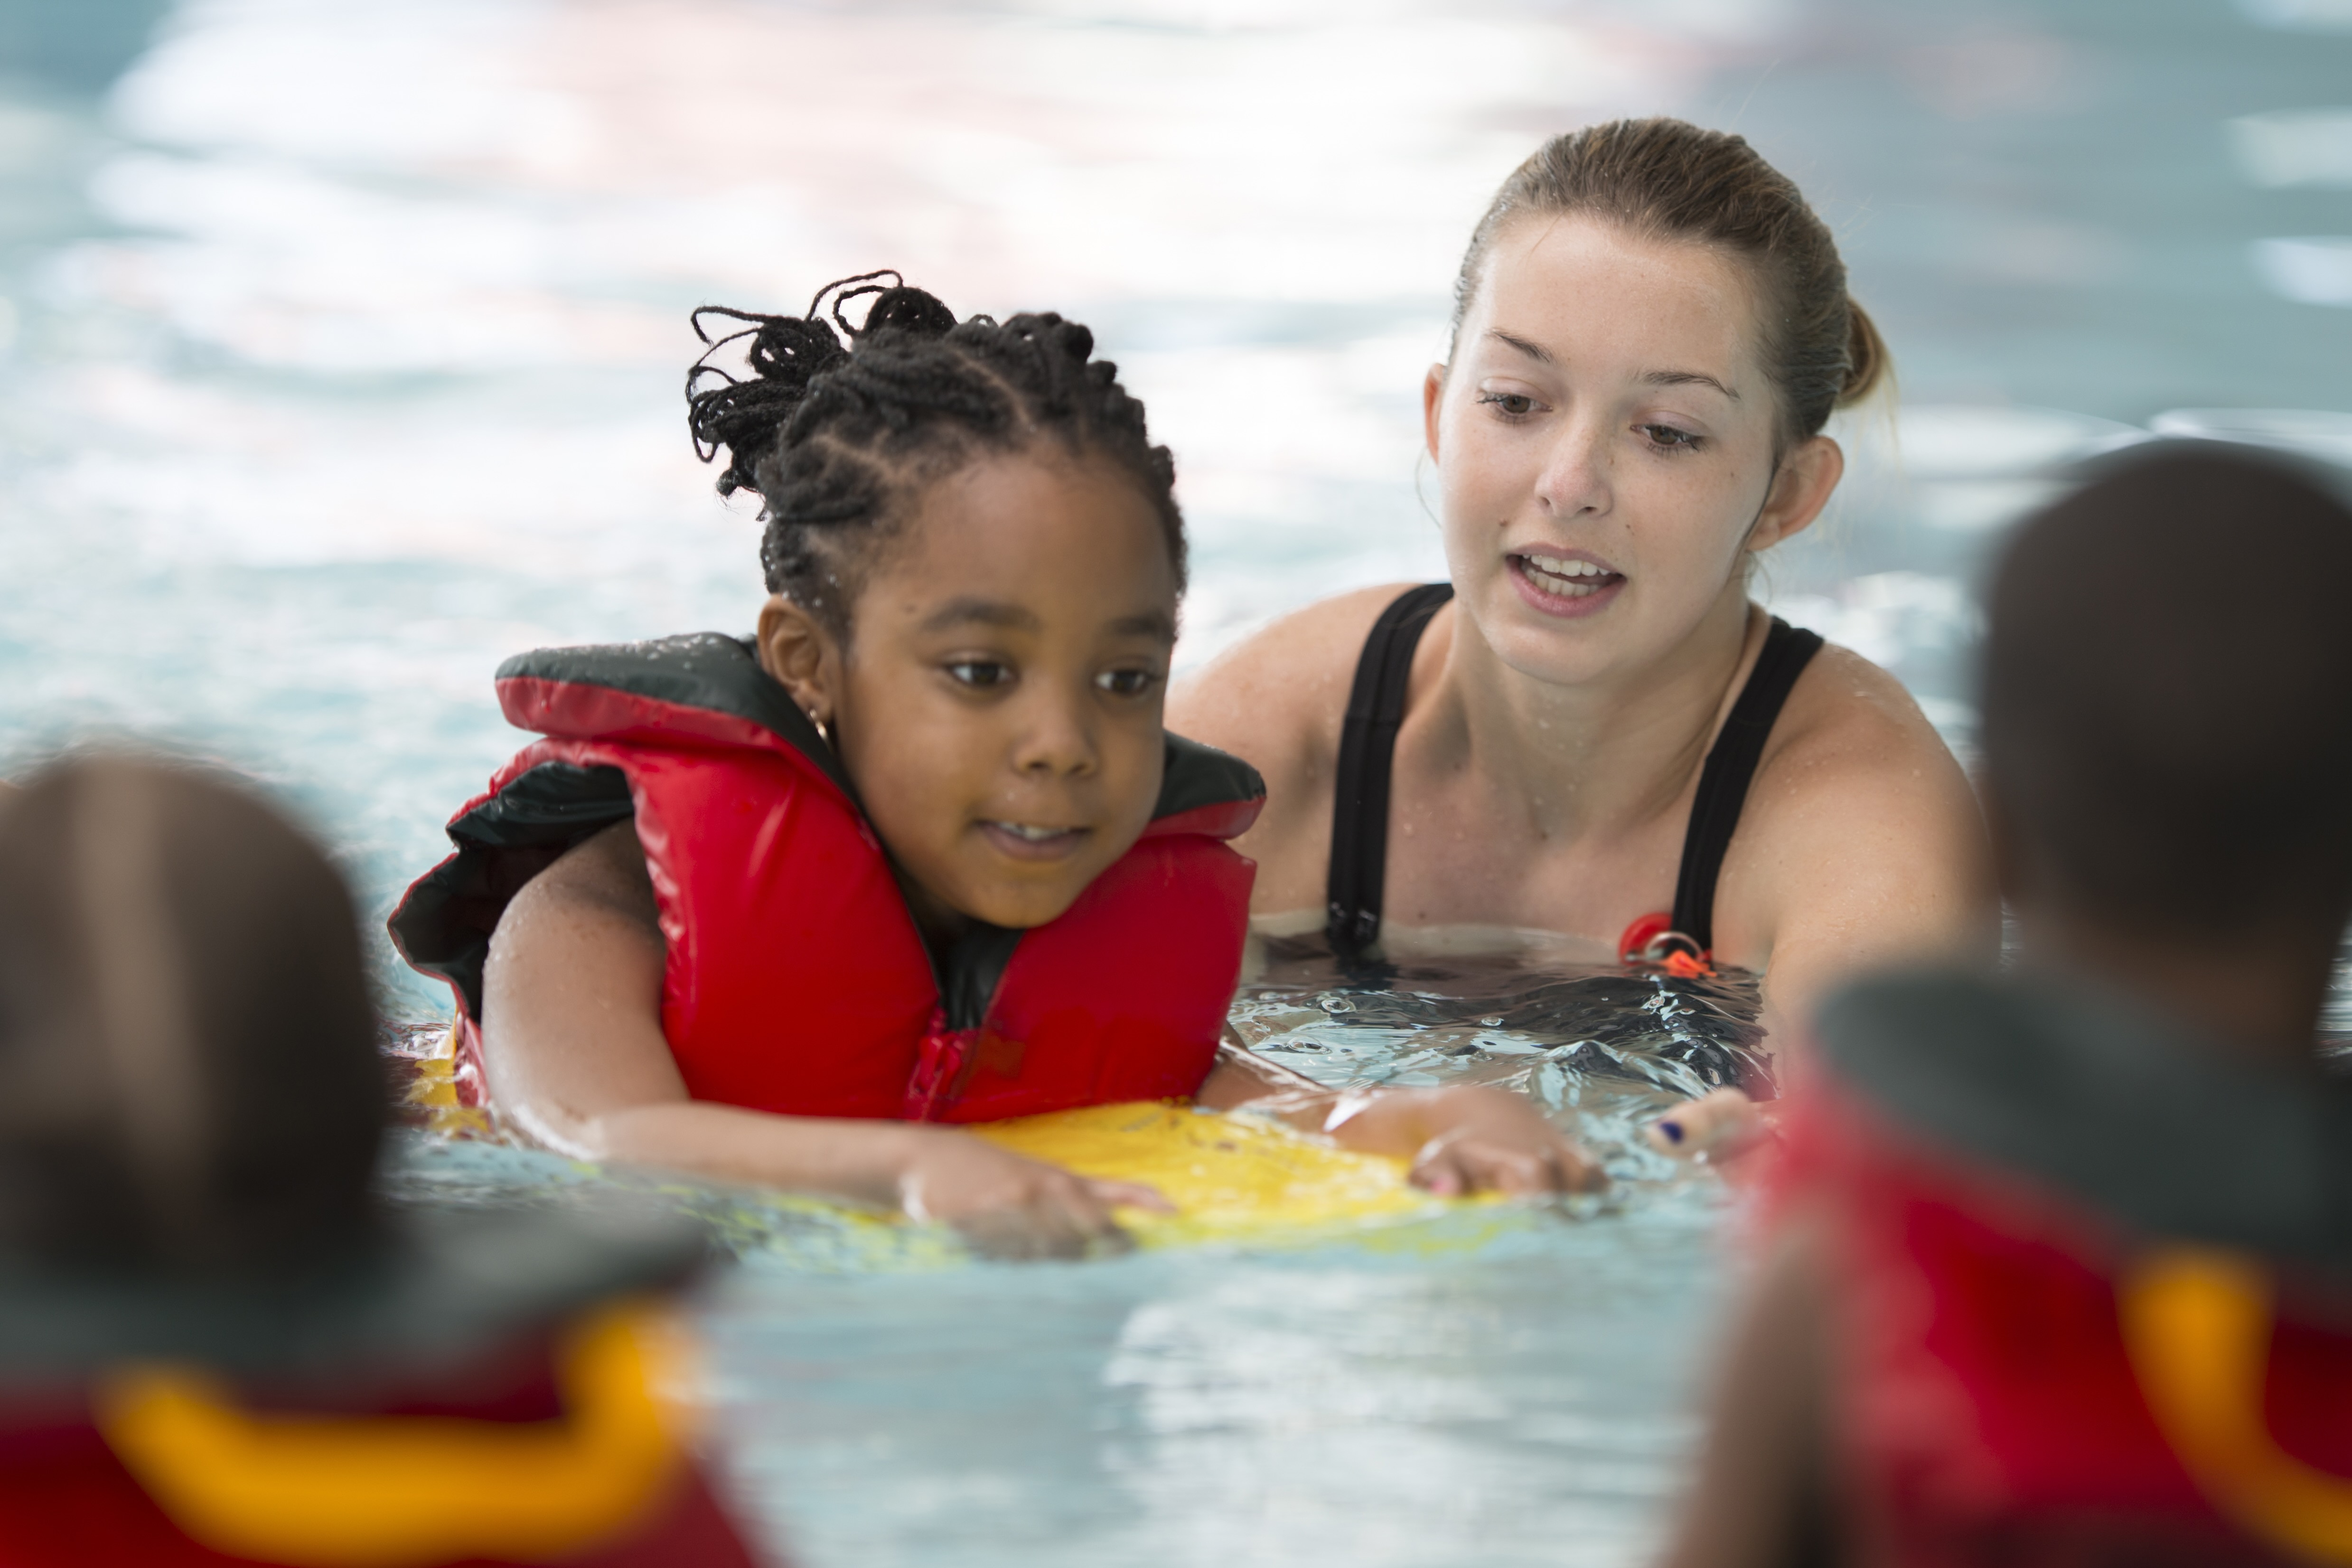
<point>1605,440</point>
<point>998,700</point>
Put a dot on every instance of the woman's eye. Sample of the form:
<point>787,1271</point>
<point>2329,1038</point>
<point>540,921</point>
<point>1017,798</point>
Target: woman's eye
<point>1127,682</point>
<point>1512,405</point>
<point>981,673</point>
<point>1667,437</point>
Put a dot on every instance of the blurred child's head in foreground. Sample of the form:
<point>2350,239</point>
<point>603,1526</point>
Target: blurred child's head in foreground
<point>2168,703</point>
<point>974,555</point>
<point>188,1071</point>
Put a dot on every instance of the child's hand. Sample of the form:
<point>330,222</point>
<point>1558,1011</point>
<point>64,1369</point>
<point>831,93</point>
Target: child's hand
<point>1010,1206</point>
<point>1469,1140</point>
<point>1718,1127</point>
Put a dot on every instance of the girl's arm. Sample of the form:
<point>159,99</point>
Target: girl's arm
<point>1460,1140</point>
<point>573,1047</point>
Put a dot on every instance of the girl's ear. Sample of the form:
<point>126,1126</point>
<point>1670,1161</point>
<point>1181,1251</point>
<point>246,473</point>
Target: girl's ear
<point>796,649</point>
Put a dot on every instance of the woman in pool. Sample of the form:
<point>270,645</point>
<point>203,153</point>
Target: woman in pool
<point>1651,330</point>
<point>921,850</point>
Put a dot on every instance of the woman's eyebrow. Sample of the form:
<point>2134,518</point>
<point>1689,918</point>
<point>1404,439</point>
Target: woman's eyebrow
<point>1535,351</point>
<point>1688,378</point>
<point>1543,355</point>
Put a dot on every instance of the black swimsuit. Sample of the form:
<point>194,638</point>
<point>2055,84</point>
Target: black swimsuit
<point>1359,816</point>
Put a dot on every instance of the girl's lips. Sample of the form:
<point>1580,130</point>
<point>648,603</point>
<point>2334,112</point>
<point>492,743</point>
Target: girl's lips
<point>1532,584</point>
<point>1021,841</point>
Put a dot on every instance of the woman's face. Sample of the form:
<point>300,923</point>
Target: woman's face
<point>998,700</point>
<point>1605,440</point>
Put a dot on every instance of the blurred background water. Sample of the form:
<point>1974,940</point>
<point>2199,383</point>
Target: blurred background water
<point>339,355</point>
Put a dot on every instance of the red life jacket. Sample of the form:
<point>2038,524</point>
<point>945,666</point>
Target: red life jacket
<point>2011,1179</point>
<point>796,980</point>
<point>68,1501</point>
<point>464,1388</point>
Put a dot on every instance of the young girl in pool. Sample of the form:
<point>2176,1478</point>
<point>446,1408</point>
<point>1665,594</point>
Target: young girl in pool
<point>1592,730</point>
<point>921,851</point>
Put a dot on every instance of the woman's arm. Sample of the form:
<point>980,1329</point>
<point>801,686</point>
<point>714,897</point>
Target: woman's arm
<point>1460,1140</point>
<point>1859,848</point>
<point>574,1052</point>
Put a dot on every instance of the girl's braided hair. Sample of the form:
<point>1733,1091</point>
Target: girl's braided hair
<point>840,427</point>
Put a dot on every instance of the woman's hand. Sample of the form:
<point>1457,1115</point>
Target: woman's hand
<point>1716,1127</point>
<point>1461,1140</point>
<point>1007,1206</point>
<point>1467,1139</point>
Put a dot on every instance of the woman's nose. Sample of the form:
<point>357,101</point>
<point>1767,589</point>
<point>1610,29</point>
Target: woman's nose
<point>1574,479</point>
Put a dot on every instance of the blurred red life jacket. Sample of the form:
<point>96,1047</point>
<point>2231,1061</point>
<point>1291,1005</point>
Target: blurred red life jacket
<point>68,1500</point>
<point>2092,1284</point>
<point>473,1389</point>
<point>796,980</point>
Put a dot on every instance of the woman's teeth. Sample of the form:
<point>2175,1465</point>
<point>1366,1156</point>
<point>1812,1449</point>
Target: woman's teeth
<point>1568,579</point>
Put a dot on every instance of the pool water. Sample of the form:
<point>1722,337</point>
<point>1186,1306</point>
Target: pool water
<point>340,351</point>
<point>1509,1382</point>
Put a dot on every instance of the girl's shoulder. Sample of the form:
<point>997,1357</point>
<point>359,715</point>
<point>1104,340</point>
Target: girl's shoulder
<point>1278,697</point>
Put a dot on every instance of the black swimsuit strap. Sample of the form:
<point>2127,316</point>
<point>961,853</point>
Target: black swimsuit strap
<point>1359,804</point>
<point>1730,766</point>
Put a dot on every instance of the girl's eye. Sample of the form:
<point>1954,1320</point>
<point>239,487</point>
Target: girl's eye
<point>1511,405</point>
<point>1668,438</point>
<point>1127,682</point>
<point>980,673</point>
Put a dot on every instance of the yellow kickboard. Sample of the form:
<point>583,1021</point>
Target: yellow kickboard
<point>1229,1176</point>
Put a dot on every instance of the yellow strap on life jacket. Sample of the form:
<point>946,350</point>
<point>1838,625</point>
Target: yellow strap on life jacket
<point>2197,1323</point>
<point>339,1491</point>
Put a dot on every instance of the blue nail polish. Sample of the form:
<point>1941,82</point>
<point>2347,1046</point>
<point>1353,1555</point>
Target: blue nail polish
<point>1672,1130</point>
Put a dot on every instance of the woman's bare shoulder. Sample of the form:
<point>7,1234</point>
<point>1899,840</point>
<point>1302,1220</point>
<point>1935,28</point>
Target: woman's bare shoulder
<point>1276,698</point>
<point>1846,709</point>
<point>1851,744</point>
<point>1860,832</point>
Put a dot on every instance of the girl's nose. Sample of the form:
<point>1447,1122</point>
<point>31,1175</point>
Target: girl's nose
<point>1056,737</point>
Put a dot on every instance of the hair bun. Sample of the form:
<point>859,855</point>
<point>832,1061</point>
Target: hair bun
<point>907,310</point>
<point>895,306</point>
<point>742,416</point>
<point>787,353</point>
<point>1868,365</point>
